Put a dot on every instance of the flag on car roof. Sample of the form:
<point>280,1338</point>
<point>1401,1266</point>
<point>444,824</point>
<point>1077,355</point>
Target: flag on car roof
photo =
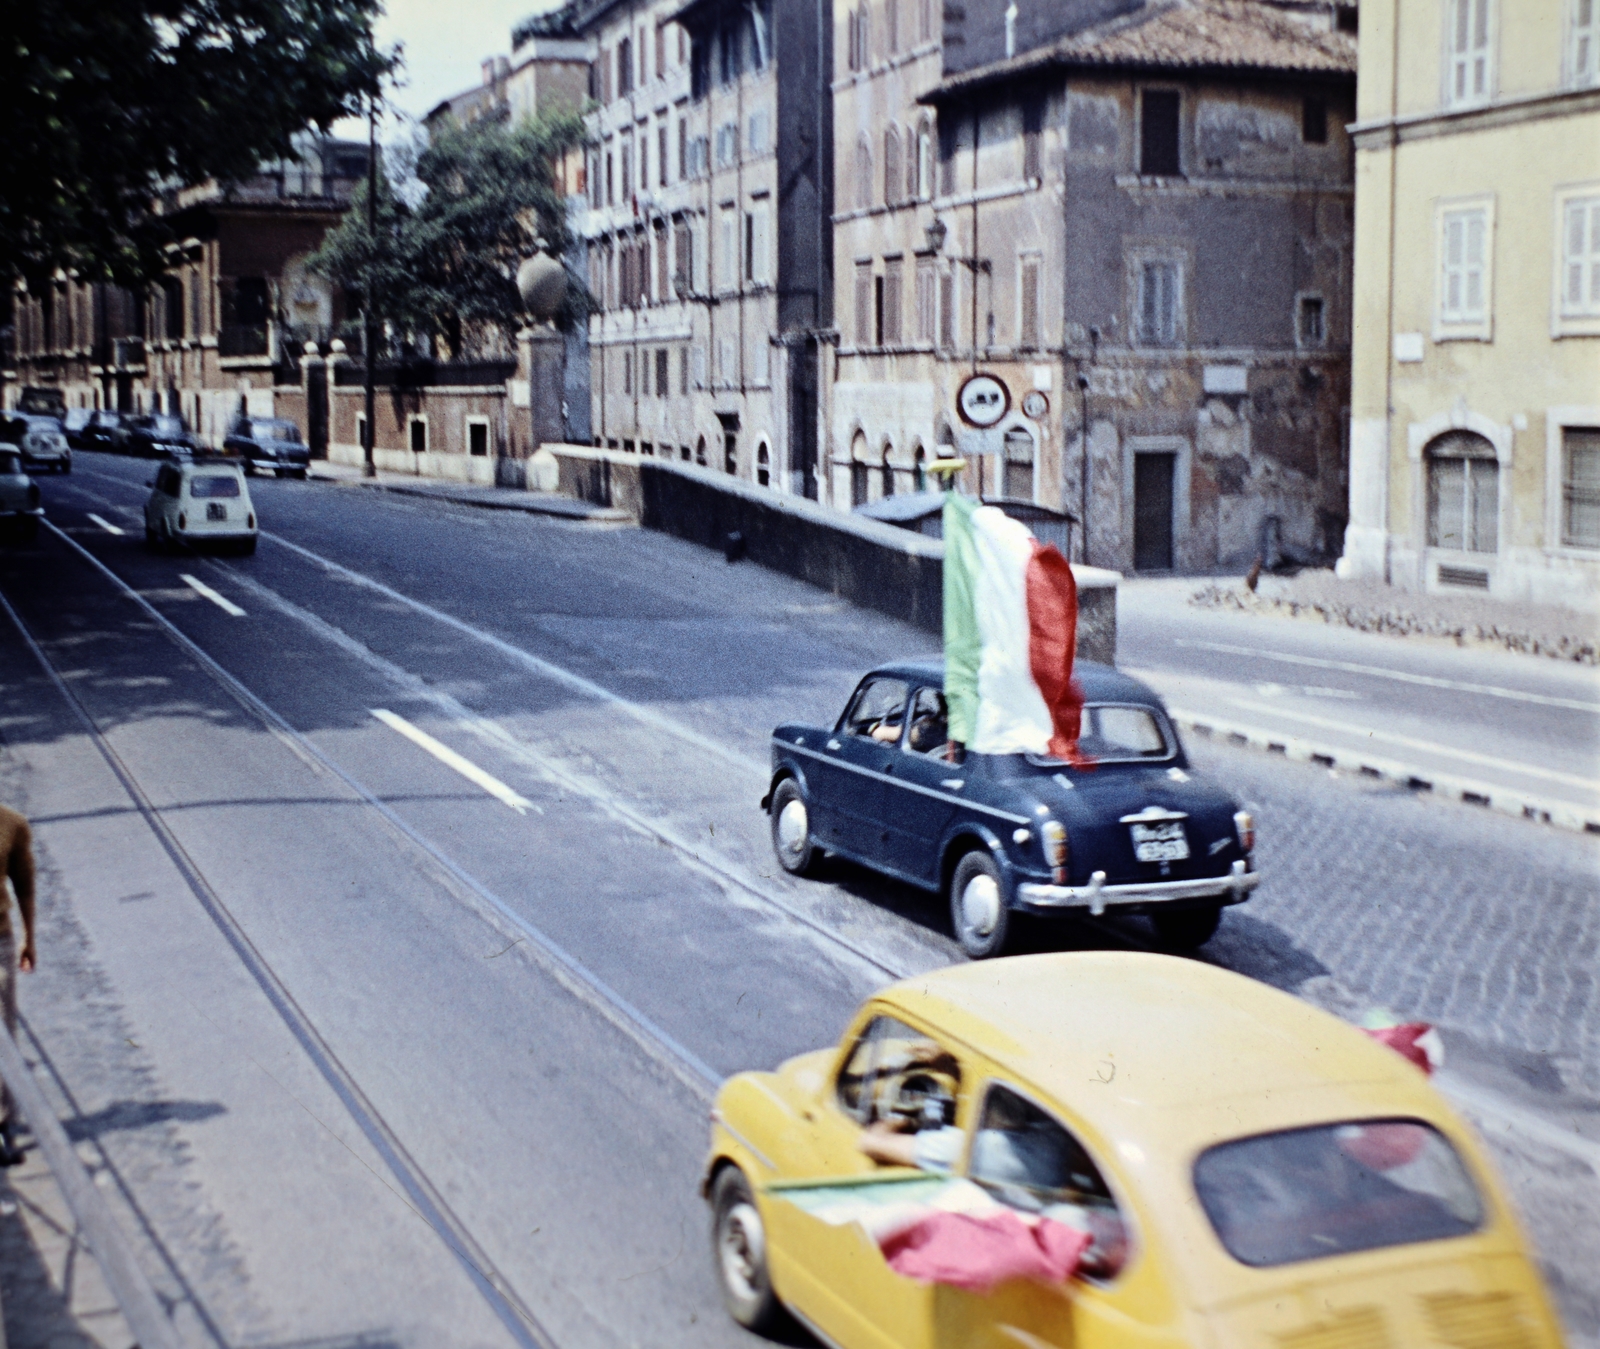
<point>1010,636</point>
<point>945,1230</point>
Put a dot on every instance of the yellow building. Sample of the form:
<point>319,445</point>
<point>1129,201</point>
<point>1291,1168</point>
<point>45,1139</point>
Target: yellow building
<point>1475,417</point>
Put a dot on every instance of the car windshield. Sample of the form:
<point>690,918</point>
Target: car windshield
<point>276,431</point>
<point>10,465</point>
<point>1303,1194</point>
<point>166,426</point>
<point>211,485</point>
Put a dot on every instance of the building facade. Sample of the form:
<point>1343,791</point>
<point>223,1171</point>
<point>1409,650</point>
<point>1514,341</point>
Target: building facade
<point>1475,434</point>
<point>705,233</point>
<point>1131,217</point>
<point>226,322</point>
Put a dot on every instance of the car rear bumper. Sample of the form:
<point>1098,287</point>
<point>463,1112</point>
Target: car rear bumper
<point>1097,896</point>
<point>22,513</point>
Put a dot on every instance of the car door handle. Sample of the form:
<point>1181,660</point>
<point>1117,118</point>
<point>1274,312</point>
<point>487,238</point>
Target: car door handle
<point>833,744</point>
<point>954,784</point>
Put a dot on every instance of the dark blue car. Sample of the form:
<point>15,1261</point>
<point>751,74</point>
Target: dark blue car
<point>1137,832</point>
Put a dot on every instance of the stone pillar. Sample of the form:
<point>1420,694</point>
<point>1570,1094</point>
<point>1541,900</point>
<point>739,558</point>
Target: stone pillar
<point>542,357</point>
<point>314,380</point>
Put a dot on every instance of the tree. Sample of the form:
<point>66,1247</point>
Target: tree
<point>105,105</point>
<point>446,267</point>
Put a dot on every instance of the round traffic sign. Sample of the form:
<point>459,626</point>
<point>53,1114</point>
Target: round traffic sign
<point>1035,405</point>
<point>983,400</point>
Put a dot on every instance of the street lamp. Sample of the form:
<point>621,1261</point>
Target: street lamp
<point>369,467</point>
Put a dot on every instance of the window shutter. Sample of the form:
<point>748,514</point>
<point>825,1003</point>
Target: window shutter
<point>1030,302</point>
<point>893,272</point>
<point>864,304</point>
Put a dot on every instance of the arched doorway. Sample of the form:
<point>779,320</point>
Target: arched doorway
<point>858,469</point>
<point>1016,483</point>
<point>700,451</point>
<point>888,470</point>
<point>763,465</point>
<point>919,470</point>
<point>1463,493</point>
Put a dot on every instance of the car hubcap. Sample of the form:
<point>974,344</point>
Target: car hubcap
<point>792,826</point>
<point>980,905</point>
<point>743,1248</point>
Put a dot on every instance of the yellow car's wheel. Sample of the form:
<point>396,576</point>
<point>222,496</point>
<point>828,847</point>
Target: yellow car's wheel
<point>739,1249</point>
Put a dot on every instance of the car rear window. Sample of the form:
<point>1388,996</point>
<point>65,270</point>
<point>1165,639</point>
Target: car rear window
<point>1123,732</point>
<point>1281,1198</point>
<point>212,485</point>
<point>10,465</point>
<point>277,431</point>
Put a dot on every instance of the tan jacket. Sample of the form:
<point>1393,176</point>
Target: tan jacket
<point>16,861</point>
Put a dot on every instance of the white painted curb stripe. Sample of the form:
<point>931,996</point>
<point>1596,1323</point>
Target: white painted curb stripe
<point>1505,800</point>
<point>201,588</point>
<point>447,756</point>
<point>105,524</point>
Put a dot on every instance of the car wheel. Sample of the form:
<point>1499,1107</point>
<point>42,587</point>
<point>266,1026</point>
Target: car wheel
<point>791,829</point>
<point>978,910</point>
<point>152,540</point>
<point>739,1251</point>
<point>300,473</point>
<point>1187,929</point>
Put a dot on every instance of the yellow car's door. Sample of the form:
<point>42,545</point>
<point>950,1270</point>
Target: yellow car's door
<point>832,1274</point>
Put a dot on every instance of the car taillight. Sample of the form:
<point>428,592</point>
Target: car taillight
<point>250,520</point>
<point>183,520</point>
<point>1053,834</point>
<point>1245,827</point>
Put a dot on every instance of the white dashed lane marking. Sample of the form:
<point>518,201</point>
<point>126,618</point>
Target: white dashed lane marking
<point>447,756</point>
<point>201,588</point>
<point>106,524</point>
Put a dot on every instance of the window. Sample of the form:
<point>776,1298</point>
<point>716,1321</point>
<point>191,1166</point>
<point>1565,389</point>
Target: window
<point>661,153</point>
<point>1028,303</point>
<point>891,26</point>
<point>683,380</point>
<point>361,430</point>
<point>683,149</point>
<point>727,144</point>
<point>924,20</point>
<point>661,51</point>
<point>663,379</point>
<point>611,186</point>
<point>1032,136</point>
<point>1580,487</point>
<point>1463,493</point>
<point>1158,303</point>
<point>683,264</point>
<point>730,452</point>
<point>663,293</point>
<point>1469,74</point>
<point>919,483</point>
<point>1580,257</point>
<point>627,372</point>
<point>757,243</point>
<point>922,187</point>
<point>877,311</point>
<point>760,359</point>
<point>1018,482</point>
<point>759,131</point>
<point>1464,269</point>
<point>864,304</point>
<point>477,436</point>
<point>1314,121</point>
<point>947,309</point>
<point>887,471</point>
<point>627,167</point>
<point>1124,733</point>
<point>947,158</point>
<point>210,486</point>
<point>893,274</point>
<point>727,360</point>
<point>644,158</point>
<point>863,174</point>
<point>1158,133</point>
<point>927,299</point>
<point>419,435</point>
<point>892,169</point>
<point>728,249</point>
<point>624,67</point>
<point>896,1071</point>
<point>1311,321</point>
<point>879,704</point>
<point>763,465</point>
<point>1584,44</point>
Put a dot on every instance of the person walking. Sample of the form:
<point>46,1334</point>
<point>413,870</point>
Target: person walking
<point>16,862</point>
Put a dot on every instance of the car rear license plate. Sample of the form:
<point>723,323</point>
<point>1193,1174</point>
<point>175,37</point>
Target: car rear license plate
<point>1163,842</point>
<point>215,510</point>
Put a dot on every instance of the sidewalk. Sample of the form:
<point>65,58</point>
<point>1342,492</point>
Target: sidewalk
<point>469,494</point>
<point>1370,606</point>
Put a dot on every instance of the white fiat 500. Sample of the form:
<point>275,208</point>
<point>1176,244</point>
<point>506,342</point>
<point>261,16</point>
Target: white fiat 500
<point>200,502</point>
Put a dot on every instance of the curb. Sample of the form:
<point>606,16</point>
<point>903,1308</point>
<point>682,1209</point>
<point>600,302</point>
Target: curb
<point>561,508</point>
<point>1469,791</point>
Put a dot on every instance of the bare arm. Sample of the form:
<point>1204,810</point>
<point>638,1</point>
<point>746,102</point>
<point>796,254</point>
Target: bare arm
<point>20,871</point>
<point>887,1146</point>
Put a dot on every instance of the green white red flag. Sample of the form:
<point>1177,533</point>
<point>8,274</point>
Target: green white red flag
<point>1010,636</point>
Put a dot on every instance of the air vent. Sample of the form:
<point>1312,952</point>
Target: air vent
<point>1489,1321</point>
<point>1359,1329</point>
<point>1469,577</point>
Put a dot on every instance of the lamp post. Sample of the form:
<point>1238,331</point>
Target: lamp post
<point>370,339</point>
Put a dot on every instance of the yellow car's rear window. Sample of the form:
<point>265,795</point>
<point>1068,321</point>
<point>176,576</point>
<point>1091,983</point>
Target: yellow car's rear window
<point>1280,1198</point>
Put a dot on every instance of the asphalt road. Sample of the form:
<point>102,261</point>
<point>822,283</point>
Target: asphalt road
<point>370,1052</point>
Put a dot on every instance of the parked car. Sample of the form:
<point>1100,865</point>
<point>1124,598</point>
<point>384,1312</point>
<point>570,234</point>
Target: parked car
<point>96,429</point>
<point>152,435</point>
<point>37,401</point>
<point>200,501</point>
<point>20,511</point>
<point>1136,830</point>
<point>269,443</point>
<point>1222,1163</point>
<point>39,440</point>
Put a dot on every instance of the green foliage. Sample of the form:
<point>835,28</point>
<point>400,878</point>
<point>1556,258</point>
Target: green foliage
<point>448,265</point>
<point>104,104</point>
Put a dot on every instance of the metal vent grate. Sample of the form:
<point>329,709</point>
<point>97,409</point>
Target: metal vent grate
<point>1470,577</point>
<point>1358,1329</point>
<point>1490,1321</point>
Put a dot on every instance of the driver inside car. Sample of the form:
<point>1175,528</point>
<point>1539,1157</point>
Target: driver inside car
<point>916,1114</point>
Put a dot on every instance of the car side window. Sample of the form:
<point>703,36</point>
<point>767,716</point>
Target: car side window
<point>879,710</point>
<point>1028,1159</point>
<point>929,723</point>
<point>167,482</point>
<point>895,1072</point>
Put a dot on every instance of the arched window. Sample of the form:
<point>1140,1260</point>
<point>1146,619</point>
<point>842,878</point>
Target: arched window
<point>1017,484</point>
<point>858,470</point>
<point>922,188</point>
<point>700,451</point>
<point>863,173</point>
<point>891,165</point>
<point>888,470</point>
<point>730,452</point>
<point>1463,493</point>
<point>919,470</point>
<point>763,465</point>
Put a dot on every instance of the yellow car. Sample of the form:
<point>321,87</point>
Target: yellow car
<point>1247,1171</point>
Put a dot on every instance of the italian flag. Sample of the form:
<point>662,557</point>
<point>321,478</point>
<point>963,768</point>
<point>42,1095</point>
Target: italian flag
<point>1010,631</point>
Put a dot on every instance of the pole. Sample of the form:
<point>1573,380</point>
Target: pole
<point>1083,468</point>
<point>370,338</point>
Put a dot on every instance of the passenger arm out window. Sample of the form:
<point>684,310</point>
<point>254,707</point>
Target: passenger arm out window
<point>897,1074</point>
<point>878,710</point>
